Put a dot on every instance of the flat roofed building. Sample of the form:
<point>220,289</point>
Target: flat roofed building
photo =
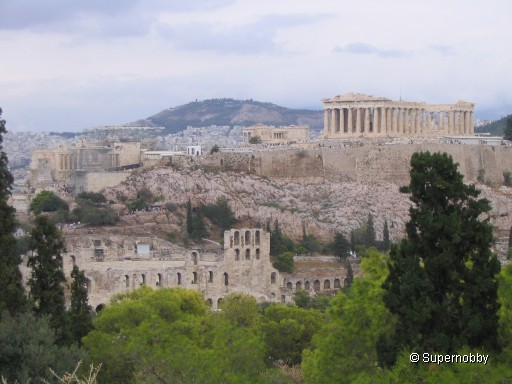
<point>276,135</point>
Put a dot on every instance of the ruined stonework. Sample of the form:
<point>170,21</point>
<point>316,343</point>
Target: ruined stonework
<point>356,114</point>
<point>276,135</point>
<point>115,264</point>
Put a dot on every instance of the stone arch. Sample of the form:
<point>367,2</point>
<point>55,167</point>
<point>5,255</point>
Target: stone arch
<point>194,277</point>
<point>273,278</point>
<point>327,284</point>
<point>257,237</point>
<point>283,299</point>
<point>272,295</point>
<point>179,278</point>
<point>247,237</point>
<point>143,276</point>
<point>289,285</point>
<point>236,236</point>
<point>316,285</point>
<point>247,254</point>
<point>261,299</point>
<point>127,281</point>
<point>159,282</point>
<point>345,282</point>
<point>194,258</point>
<point>73,260</point>
<point>219,302</point>
<point>88,285</point>
<point>257,253</point>
<point>209,302</point>
<point>210,276</point>
<point>298,285</point>
<point>337,283</point>
<point>306,286</point>
<point>226,279</point>
<point>237,254</point>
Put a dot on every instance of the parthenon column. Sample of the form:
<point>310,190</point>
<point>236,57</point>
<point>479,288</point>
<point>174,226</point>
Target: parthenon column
<point>342,120</point>
<point>417,122</point>
<point>326,121</point>
<point>383,121</point>
<point>366,120</point>
<point>471,124</point>
<point>389,119</point>
<point>332,125</point>
<point>358,121</point>
<point>466,123</point>
<point>376,121</point>
<point>451,122</point>
<point>350,121</point>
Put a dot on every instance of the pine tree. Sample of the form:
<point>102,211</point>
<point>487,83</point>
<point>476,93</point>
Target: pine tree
<point>350,273</point>
<point>11,289</point>
<point>442,284</point>
<point>341,247</point>
<point>371,237</point>
<point>47,278</point>
<point>276,240</point>
<point>507,134</point>
<point>385,236</point>
<point>80,320</point>
<point>189,217</point>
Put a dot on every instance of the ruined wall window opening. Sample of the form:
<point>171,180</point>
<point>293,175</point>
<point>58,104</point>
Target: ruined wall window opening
<point>247,237</point>
<point>327,284</point>
<point>306,286</point>
<point>289,285</point>
<point>345,282</point>
<point>237,254</point>
<point>88,285</point>
<point>273,278</point>
<point>237,238</point>
<point>210,277</point>
<point>337,283</point>
<point>159,282</point>
<point>194,278</point>
<point>298,285</point>
<point>127,281</point>
<point>283,299</point>
<point>226,279</point>
<point>194,258</point>
<point>179,278</point>
<point>99,254</point>
<point>73,260</point>
<point>143,275</point>
<point>209,302</point>
<point>316,285</point>
<point>257,253</point>
<point>257,238</point>
<point>219,302</point>
<point>247,254</point>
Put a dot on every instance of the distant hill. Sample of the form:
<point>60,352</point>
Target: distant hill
<point>496,128</point>
<point>232,112</point>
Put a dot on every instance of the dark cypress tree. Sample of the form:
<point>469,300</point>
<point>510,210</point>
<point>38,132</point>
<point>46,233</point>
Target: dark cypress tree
<point>47,278</point>
<point>189,217</point>
<point>341,247</point>
<point>350,273</point>
<point>371,237</point>
<point>442,283</point>
<point>385,236</point>
<point>276,240</point>
<point>11,288</point>
<point>507,134</point>
<point>80,319</point>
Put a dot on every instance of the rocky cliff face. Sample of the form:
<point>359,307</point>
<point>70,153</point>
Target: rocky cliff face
<point>321,208</point>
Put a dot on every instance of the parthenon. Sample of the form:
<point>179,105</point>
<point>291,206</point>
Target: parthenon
<point>356,115</point>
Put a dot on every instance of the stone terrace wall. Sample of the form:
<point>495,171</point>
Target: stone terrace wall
<point>368,163</point>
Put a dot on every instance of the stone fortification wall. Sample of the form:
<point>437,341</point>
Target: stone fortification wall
<point>368,163</point>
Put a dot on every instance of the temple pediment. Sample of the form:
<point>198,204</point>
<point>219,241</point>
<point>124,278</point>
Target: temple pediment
<point>351,96</point>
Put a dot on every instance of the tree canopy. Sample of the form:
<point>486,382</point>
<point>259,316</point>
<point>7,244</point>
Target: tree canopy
<point>47,201</point>
<point>442,284</point>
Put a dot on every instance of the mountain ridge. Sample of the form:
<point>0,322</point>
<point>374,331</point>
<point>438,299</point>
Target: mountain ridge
<point>232,112</point>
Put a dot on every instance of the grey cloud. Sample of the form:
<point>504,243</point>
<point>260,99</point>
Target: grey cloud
<point>444,50</point>
<point>368,49</point>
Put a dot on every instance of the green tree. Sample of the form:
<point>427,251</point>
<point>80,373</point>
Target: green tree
<point>442,284</point>
<point>341,247</point>
<point>385,236</point>
<point>343,351</point>
<point>95,198</point>
<point>214,149</point>
<point>11,297</point>
<point>371,237</point>
<point>198,228</point>
<point>240,309</point>
<point>288,330</point>
<point>28,349</point>
<point>310,243</point>
<point>47,278</point>
<point>189,217</point>
<point>507,134</point>
<point>47,201</point>
<point>220,214</point>
<point>255,140</point>
<point>284,262</point>
<point>350,273</point>
<point>80,319</point>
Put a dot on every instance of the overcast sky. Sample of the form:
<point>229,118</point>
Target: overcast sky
<point>68,65</point>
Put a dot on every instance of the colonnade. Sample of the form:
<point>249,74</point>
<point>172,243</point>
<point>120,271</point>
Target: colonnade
<point>391,121</point>
<point>365,115</point>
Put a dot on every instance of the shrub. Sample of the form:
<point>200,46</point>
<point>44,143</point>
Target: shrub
<point>47,201</point>
<point>284,262</point>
